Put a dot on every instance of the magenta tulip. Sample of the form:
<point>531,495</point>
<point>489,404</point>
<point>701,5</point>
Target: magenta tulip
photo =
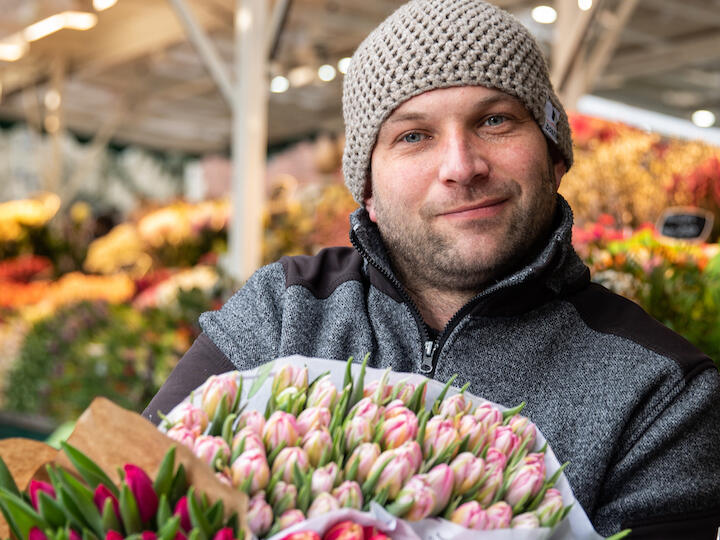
<point>226,533</point>
<point>36,534</point>
<point>147,535</point>
<point>74,535</point>
<point>103,493</point>
<point>37,486</point>
<point>113,535</point>
<point>181,509</point>
<point>471,516</point>
<point>142,488</point>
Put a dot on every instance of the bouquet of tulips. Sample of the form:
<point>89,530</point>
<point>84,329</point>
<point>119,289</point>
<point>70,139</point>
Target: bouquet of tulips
<point>91,506</point>
<point>303,447</point>
<point>342,530</point>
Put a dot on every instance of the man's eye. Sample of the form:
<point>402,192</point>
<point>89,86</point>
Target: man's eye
<point>495,120</point>
<point>413,137</point>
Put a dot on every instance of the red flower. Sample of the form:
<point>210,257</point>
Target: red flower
<point>113,535</point>
<point>36,534</point>
<point>141,487</point>
<point>37,485</point>
<point>102,493</point>
<point>181,509</point>
<point>224,534</point>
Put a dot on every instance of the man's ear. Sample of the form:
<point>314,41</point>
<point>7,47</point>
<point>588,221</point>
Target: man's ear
<point>559,170</point>
<point>370,207</point>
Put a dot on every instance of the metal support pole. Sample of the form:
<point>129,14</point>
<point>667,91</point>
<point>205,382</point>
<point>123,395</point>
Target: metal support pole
<point>249,142</point>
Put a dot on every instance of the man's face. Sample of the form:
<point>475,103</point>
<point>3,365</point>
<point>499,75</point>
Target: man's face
<point>463,188</point>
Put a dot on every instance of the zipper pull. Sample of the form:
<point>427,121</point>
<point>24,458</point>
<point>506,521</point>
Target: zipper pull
<point>427,365</point>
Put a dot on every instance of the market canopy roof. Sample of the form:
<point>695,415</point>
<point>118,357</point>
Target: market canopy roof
<point>135,76</point>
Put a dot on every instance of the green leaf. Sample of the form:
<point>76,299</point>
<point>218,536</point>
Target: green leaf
<point>512,412</point>
<point>359,384</point>
<point>83,499</point>
<point>164,511</point>
<point>169,529</point>
<point>9,519</point>
<point>197,518</point>
<point>238,395</point>
<point>164,477</point>
<point>348,373</point>
<point>352,472</point>
<point>416,402</point>
<point>68,505</point>
<point>51,511</point>
<point>23,515</point>
<point>6,479</point>
<point>221,411</point>
<point>263,372</point>
<point>109,518</point>
<point>179,485</point>
<point>215,515</point>
<point>621,534</point>
<point>234,523</point>
<point>88,469</point>
<point>436,406</point>
<point>369,486</point>
<point>227,431</point>
<point>272,455</point>
<point>129,511</point>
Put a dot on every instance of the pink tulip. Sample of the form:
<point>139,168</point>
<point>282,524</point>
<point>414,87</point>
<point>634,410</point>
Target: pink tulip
<point>411,451</point>
<point>280,428</point>
<point>252,441</point>
<point>442,480</point>
<point>113,535</point>
<point>142,489</point>
<point>313,418</point>
<point>367,454</point>
<point>471,516</point>
<point>148,535</point>
<point>349,495</point>
<point>251,463</point>
<point>525,483</point>
<point>36,534</point>
<point>289,375</point>
<point>440,434</point>
<point>259,515</point>
<point>476,431</point>
<point>226,533</point>
<point>490,487</point>
<point>37,486</point>
<point>345,530</point>
<point>549,507</point>
<point>322,504</point>
<point>183,435</point>
<point>394,408</point>
<point>402,426</point>
<point>527,520</point>
<point>366,408</point>
<point>211,449</point>
<point>252,420</point>
<point>181,509</point>
<point>468,471</point>
<point>499,515</point>
<point>536,458</point>
<point>102,493</point>
<point>324,479</point>
<point>488,414</point>
<point>323,394</point>
<point>495,459</point>
<point>219,387</point>
<point>358,430</point>
<point>394,475</point>
<point>191,417</point>
<point>315,443</point>
<point>371,391</point>
<point>283,490</point>
<point>455,405</point>
<point>504,440</point>
<point>424,500</point>
<point>406,392</point>
<point>286,461</point>
<point>290,518</point>
<point>524,429</point>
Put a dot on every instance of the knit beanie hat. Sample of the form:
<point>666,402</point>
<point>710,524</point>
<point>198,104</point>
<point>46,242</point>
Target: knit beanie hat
<point>428,44</point>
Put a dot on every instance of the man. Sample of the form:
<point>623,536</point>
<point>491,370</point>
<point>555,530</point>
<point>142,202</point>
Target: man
<point>455,148</point>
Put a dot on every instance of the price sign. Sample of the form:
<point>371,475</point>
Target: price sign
<point>686,223</point>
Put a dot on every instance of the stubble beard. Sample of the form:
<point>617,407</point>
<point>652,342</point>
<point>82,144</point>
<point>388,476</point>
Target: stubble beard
<point>425,257</point>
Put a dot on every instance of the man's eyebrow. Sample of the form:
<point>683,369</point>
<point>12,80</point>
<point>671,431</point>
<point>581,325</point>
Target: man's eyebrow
<point>478,105</point>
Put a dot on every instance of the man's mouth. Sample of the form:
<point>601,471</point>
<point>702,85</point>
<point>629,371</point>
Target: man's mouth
<point>477,210</point>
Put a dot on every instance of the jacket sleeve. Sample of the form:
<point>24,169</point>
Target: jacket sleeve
<point>666,485</point>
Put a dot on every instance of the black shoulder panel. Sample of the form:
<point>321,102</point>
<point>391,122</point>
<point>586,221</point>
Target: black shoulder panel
<point>610,313</point>
<point>321,274</point>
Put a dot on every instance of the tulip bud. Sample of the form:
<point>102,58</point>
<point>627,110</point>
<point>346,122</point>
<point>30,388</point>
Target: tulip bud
<point>440,435</point>
<point>142,489</point>
<point>146,535</point>
<point>442,480</point>
<point>322,504</point>
<point>495,459</point>
<point>366,408</point>
<point>291,400</point>
<point>455,405</point>
<point>38,485</point>
<point>219,387</point>
<point>405,392</point>
<point>411,451</point>
<point>286,461</point>
<point>358,430</point>
<point>536,458</point>
<point>259,515</point>
<point>504,440</point>
<point>226,533</point>
<point>252,420</point>
<point>324,479</point>
<point>468,471</point>
<point>476,432</point>
<point>114,535</point>
<point>290,518</point>
<point>527,520</point>
<point>487,492</point>
<point>183,435</point>
<point>393,475</point>
<point>549,507</point>
<point>280,428</point>
<point>402,426</point>
<point>422,496</point>
<point>315,444</point>
<point>499,515</point>
<point>488,415</point>
<point>181,509</point>
<point>371,391</point>
<point>251,463</point>
<point>102,493</point>
<point>525,484</point>
<point>524,429</point>
<point>74,535</point>
<point>288,376</point>
<point>248,440</point>
<point>313,418</point>
<point>211,449</point>
<point>284,493</point>
<point>349,495</point>
<point>394,408</point>
<point>366,454</point>
<point>323,394</point>
<point>345,530</point>
<point>36,533</point>
<point>191,417</point>
<point>471,516</point>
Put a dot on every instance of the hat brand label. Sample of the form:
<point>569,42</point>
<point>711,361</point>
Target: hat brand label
<point>552,115</point>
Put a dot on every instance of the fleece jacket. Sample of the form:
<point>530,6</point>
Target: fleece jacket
<point>631,405</point>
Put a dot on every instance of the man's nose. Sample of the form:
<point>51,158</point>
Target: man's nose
<point>462,160</point>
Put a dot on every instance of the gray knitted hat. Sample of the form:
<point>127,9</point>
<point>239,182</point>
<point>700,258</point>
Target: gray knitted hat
<point>428,44</point>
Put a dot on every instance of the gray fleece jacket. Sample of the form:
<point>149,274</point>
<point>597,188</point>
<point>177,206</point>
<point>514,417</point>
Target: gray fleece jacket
<point>631,405</point>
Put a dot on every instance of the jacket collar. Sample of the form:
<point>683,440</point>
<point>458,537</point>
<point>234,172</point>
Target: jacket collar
<point>556,271</point>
